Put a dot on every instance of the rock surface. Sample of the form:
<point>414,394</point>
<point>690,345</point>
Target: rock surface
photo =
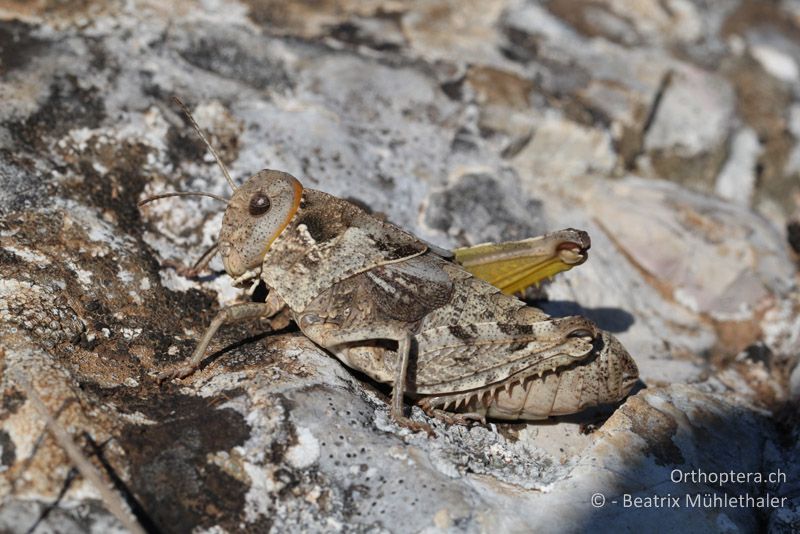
<point>463,123</point>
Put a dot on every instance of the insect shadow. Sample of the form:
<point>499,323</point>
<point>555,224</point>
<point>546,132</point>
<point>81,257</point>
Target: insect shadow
<point>614,320</point>
<point>242,344</point>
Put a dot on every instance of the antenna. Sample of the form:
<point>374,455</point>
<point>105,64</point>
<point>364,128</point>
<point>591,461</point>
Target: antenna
<point>205,140</point>
<point>181,194</point>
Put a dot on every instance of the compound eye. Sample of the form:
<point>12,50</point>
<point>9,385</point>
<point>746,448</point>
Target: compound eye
<point>259,204</point>
<point>581,332</point>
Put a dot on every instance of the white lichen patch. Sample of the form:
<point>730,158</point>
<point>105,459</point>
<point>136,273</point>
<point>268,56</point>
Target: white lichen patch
<point>11,287</point>
<point>165,247</point>
<point>149,128</point>
<point>135,418</point>
<point>777,63</point>
<point>77,139</point>
<point>126,277</point>
<point>262,484</point>
<point>781,327</point>
<point>306,452</point>
<point>226,293</point>
<point>82,491</point>
<point>84,276</point>
<point>103,235</point>
<point>144,284</point>
<point>131,333</point>
<point>221,381</point>
<point>173,216</point>
<point>175,282</point>
<point>28,255</point>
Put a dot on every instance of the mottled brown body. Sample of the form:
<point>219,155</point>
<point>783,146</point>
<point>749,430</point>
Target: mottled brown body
<point>474,349</point>
<point>407,314</point>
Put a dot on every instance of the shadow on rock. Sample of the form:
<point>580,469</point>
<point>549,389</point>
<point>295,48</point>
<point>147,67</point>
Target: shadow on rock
<point>614,320</point>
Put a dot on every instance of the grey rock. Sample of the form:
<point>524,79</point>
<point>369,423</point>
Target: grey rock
<point>487,205</point>
<point>497,121</point>
<point>703,104</point>
<point>736,182</point>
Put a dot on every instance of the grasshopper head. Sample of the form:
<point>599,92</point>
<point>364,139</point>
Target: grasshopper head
<point>256,215</point>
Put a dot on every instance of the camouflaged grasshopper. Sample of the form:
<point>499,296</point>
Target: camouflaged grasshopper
<point>409,314</point>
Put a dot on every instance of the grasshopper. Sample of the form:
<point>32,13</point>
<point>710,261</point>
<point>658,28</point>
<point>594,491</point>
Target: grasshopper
<point>409,314</point>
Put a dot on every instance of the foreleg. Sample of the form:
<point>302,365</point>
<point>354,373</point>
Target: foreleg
<point>232,314</point>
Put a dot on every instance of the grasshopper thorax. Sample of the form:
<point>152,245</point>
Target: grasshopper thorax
<point>256,215</point>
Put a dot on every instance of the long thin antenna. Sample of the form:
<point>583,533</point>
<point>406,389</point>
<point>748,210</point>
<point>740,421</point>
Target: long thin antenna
<point>181,194</point>
<point>205,259</point>
<point>203,137</point>
<point>199,265</point>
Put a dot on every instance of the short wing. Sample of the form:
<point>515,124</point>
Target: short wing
<point>408,290</point>
<point>462,358</point>
<point>515,265</point>
<point>328,241</point>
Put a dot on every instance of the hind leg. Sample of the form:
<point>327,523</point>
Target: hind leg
<point>335,339</point>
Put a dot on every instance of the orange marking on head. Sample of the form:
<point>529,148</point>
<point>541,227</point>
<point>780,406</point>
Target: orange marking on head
<point>298,197</point>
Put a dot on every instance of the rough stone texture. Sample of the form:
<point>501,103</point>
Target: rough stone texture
<point>463,123</point>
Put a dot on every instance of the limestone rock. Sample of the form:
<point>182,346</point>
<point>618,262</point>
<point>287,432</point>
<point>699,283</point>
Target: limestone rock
<point>463,125</point>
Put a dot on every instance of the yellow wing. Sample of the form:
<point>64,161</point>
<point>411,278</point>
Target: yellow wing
<point>515,265</point>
